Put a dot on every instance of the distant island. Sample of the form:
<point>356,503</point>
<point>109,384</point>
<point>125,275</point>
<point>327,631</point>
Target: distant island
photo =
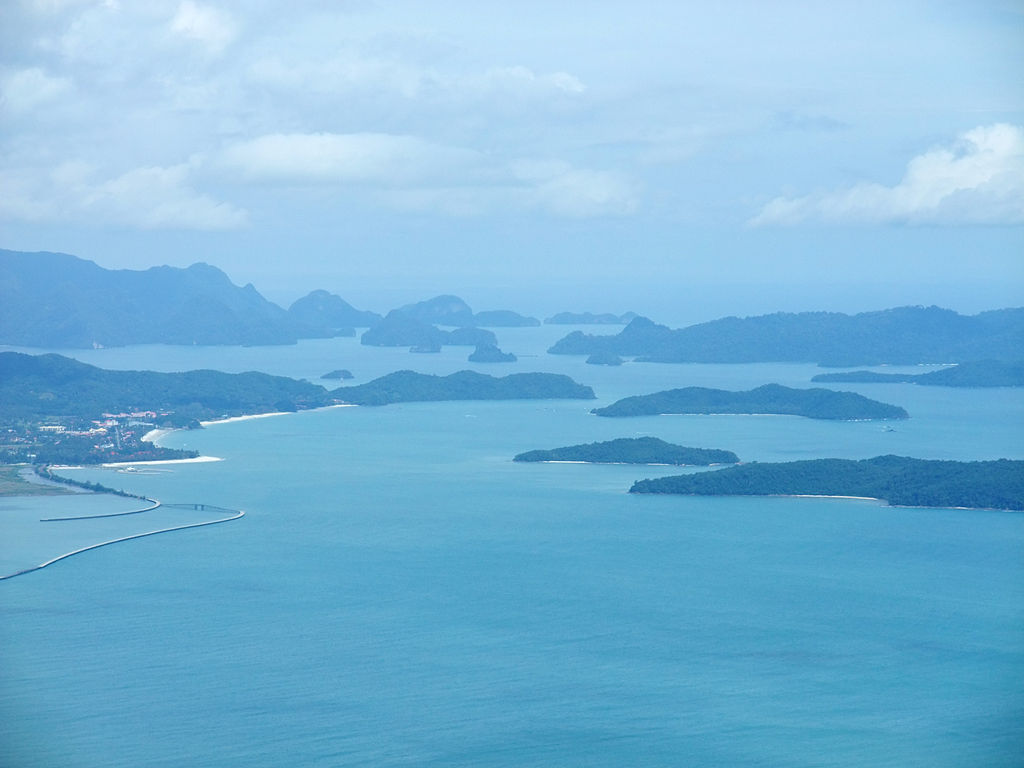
<point>982,373</point>
<point>905,335</point>
<point>452,311</point>
<point>767,399</point>
<point>339,373</point>
<point>633,450</point>
<point>399,329</point>
<point>604,358</point>
<point>589,318</point>
<point>322,311</point>
<point>491,354</point>
<point>409,387</point>
<point>894,479</point>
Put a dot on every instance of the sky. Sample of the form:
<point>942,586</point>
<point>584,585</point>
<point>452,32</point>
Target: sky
<point>680,159</point>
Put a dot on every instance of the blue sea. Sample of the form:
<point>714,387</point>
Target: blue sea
<point>400,593</point>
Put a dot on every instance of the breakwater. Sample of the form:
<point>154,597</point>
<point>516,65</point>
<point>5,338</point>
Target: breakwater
<point>225,515</point>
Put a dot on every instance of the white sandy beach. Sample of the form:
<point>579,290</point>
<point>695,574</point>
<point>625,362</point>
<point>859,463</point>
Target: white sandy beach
<point>251,416</point>
<point>196,460</point>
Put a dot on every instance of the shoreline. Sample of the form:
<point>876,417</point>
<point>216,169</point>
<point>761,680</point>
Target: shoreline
<point>155,434</point>
<point>194,460</point>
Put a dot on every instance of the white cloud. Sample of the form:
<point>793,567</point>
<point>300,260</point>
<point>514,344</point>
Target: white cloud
<point>369,158</point>
<point>560,189</point>
<point>146,198</point>
<point>208,25</point>
<point>411,173</point>
<point>523,79</point>
<point>23,90</point>
<point>979,180</point>
<point>350,70</point>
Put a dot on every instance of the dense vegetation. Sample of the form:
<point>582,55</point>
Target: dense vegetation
<point>982,373</point>
<point>491,354</point>
<point>589,318</point>
<point>895,479</point>
<point>905,335</point>
<point>36,387</point>
<point>633,450</point>
<point>56,300</point>
<point>768,399</point>
<point>409,386</point>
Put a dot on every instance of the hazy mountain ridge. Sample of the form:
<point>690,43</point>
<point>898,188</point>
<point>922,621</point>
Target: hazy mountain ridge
<point>903,335</point>
<point>58,300</point>
<point>981,373</point>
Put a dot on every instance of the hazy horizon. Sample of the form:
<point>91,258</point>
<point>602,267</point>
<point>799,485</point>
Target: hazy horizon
<point>664,158</point>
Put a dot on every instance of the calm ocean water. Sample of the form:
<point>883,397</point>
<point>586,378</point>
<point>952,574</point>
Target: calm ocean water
<point>401,594</point>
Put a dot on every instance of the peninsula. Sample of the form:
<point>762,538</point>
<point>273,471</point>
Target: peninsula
<point>767,399</point>
<point>982,373</point>
<point>633,450</point>
<point>411,387</point>
<point>895,479</point>
<point>54,409</point>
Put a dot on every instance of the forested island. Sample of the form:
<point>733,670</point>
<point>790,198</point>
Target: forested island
<point>410,387</point>
<point>895,479</point>
<point>904,335</point>
<point>633,450</point>
<point>981,373</point>
<point>767,399</point>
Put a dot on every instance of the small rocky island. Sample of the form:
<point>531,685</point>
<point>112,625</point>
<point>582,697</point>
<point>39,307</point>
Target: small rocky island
<point>338,373</point>
<point>411,387</point>
<point>767,399</point>
<point>604,358</point>
<point>489,353</point>
<point>634,450</point>
<point>895,479</point>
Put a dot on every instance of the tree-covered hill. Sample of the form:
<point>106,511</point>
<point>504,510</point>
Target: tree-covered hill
<point>38,387</point>
<point>409,386</point>
<point>895,479</point>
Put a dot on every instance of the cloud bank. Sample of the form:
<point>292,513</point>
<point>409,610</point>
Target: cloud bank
<point>978,180</point>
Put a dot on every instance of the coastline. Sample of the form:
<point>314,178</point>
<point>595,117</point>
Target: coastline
<point>195,460</point>
<point>156,434</point>
<point>251,416</point>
